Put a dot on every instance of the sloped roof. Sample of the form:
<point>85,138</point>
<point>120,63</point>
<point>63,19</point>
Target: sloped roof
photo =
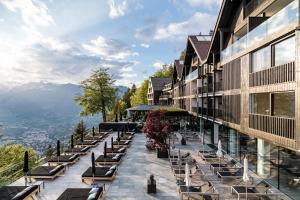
<point>179,68</point>
<point>159,83</point>
<point>200,46</point>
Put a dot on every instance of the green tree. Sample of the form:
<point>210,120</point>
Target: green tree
<point>99,94</point>
<point>79,130</point>
<point>122,107</point>
<point>49,151</point>
<point>140,95</point>
<point>12,159</point>
<point>165,72</point>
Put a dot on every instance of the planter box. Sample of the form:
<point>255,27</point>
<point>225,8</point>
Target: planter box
<point>162,154</point>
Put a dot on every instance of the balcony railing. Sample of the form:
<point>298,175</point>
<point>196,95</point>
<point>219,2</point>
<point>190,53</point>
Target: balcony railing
<point>191,76</point>
<point>280,20</point>
<point>210,87</point>
<point>280,126</point>
<point>273,75</point>
<point>218,113</point>
<point>202,89</point>
<point>218,86</point>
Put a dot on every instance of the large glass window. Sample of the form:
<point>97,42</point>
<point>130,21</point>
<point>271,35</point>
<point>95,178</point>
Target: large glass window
<point>260,103</point>
<point>283,104</point>
<point>248,147</point>
<point>284,52</point>
<point>261,59</point>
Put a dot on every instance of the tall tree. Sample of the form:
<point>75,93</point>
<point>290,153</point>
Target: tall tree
<point>99,94</point>
<point>79,130</point>
<point>140,95</point>
<point>165,72</point>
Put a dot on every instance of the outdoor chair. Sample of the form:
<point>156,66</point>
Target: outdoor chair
<point>109,159</point>
<point>19,192</point>
<point>83,194</point>
<point>64,159</point>
<point>101,174</point>
<point>237,174</point>
<point>78,150</point>
<point>122,143</point>
<point>46,172</point>
<point>88,143</point>
<point>114,151</point>
<point>204,191</point>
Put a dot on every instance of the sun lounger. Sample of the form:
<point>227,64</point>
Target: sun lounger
<point>229,166</point>
<point>126,137</point>
<point>101,174</point>
<point>18,192</point>
<point>46,172</point>
<point>82,194</point>
<point>122,143</point>
<point>89,143</point>
<point>253,191</point>
<point>99,138</point>
<point>231,174</point>
<point>78,150</point>
<point>66,159</point>
<point>121,150</point>
<point>109,160</point>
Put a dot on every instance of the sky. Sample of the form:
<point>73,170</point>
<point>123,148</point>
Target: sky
<point>63,41</point>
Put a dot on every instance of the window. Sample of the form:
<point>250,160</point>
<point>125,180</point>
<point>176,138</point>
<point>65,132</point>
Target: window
<point>261,59</point>
<point>260,103</point>
<point>283,104</point>
<point>284,52</point>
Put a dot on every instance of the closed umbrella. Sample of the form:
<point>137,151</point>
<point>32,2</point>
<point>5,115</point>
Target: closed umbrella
<point>187,178</point>
<point>93,165</point>
<point>99,128</point>
<point>81,139</point>
<point>58,150</point>
<point>93,131</point>
<point>72,142</point>
<point>245,174</point>
<point>116,120</point>
<point>112,143</point>
<point>26,166</point>
<point>118,138</point>
<point>219,152</point>
<point>104,151</point>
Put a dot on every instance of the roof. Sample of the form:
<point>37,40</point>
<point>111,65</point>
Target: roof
<point>179,68</point>
<point>159,83</point>
<point>200,45</point>
<point>147,107</point>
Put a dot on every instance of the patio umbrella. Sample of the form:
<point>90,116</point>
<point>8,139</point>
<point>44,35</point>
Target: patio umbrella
<point>93,131</point>
<point>99,129</point>
<point>93,165</point>
<point>58,150</point>
<point>116,120</point>
<point>245,174</point>
<point>72,142</point>
<point>187,178</point>
<point>179,159</point>
<point>104,151</point>
<point>118,138</point>
<point>112,143</point>
<point>26,166</point>
<point>219,152</point>
<point>122,134</point>
<point>81,139</point>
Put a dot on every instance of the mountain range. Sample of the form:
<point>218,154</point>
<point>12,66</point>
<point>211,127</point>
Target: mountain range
<point>36,114</point>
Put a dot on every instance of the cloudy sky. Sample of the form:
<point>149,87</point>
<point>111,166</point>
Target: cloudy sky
<point>62,41</point>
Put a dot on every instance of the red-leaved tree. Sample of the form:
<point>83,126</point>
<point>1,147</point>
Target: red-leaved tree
<point>157,128</point>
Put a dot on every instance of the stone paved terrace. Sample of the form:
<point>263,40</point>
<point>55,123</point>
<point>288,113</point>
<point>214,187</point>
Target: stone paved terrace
<point>130,182</point>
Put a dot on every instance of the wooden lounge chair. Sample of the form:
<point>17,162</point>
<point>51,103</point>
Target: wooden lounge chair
<point>231,174</point>
<point>232,164</point>
<point>46,172</point>
<point>89,143</point>
<point>205,191</point>
<point>18,192</point>
<point>101,174</point>
<point>82,194</point>
<point>126,137</point>
<point>109,159</point>
<point>65,159</point>
<point>98,137</point>
<point>78,150</point>
<point>121,150</point>
<point>122,143</point>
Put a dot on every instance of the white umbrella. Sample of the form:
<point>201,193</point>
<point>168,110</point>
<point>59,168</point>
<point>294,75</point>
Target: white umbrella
<point>219,153</point>
<point>187,178</point>
<point>245,174</point>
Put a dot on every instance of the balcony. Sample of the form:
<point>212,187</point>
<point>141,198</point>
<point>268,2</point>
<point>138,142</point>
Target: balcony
<point>167,87</point>
<point>218,86</point>
<point>191,76</point>
<point>279,21</point>
<point>210,87</point>
<point>202,89</point>
<point>279,126</point>
<point>253,5</point>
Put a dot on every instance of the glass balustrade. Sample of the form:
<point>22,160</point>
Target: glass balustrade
<point>277,22</point>
<point>192,75</point>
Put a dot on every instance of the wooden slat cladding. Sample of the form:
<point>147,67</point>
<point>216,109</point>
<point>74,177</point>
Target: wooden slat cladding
<point>280,126</point>
<point>231,75</point>
<point>273,75</point>
<point>232,108</point>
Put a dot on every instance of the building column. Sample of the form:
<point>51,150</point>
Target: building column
<point>263,158</point>
<point>216,133</point>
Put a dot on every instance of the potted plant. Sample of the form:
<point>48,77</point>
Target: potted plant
<point>157,129</point>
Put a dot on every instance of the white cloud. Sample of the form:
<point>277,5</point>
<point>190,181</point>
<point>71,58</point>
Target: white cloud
<point>199,22</point>
<point>126,69</point>
<point>204,3</point>
<point>2,20</point>
<point>158,64</point>
<point>117,9</point>
<point>145,45</point>
<point>109,48</point>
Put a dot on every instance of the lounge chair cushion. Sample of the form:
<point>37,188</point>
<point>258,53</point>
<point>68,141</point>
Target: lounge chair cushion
<point>109,173</point>
<point>121,150</point>
<point>25,192</point>
<point>114,167</point>
<point>94,190</point>
<point>92,196</point>
<point>85,149</point>
<point>56,169</point>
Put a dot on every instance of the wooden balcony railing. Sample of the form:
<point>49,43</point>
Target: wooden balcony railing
<point>280,126</point>
<point>273,75</point>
